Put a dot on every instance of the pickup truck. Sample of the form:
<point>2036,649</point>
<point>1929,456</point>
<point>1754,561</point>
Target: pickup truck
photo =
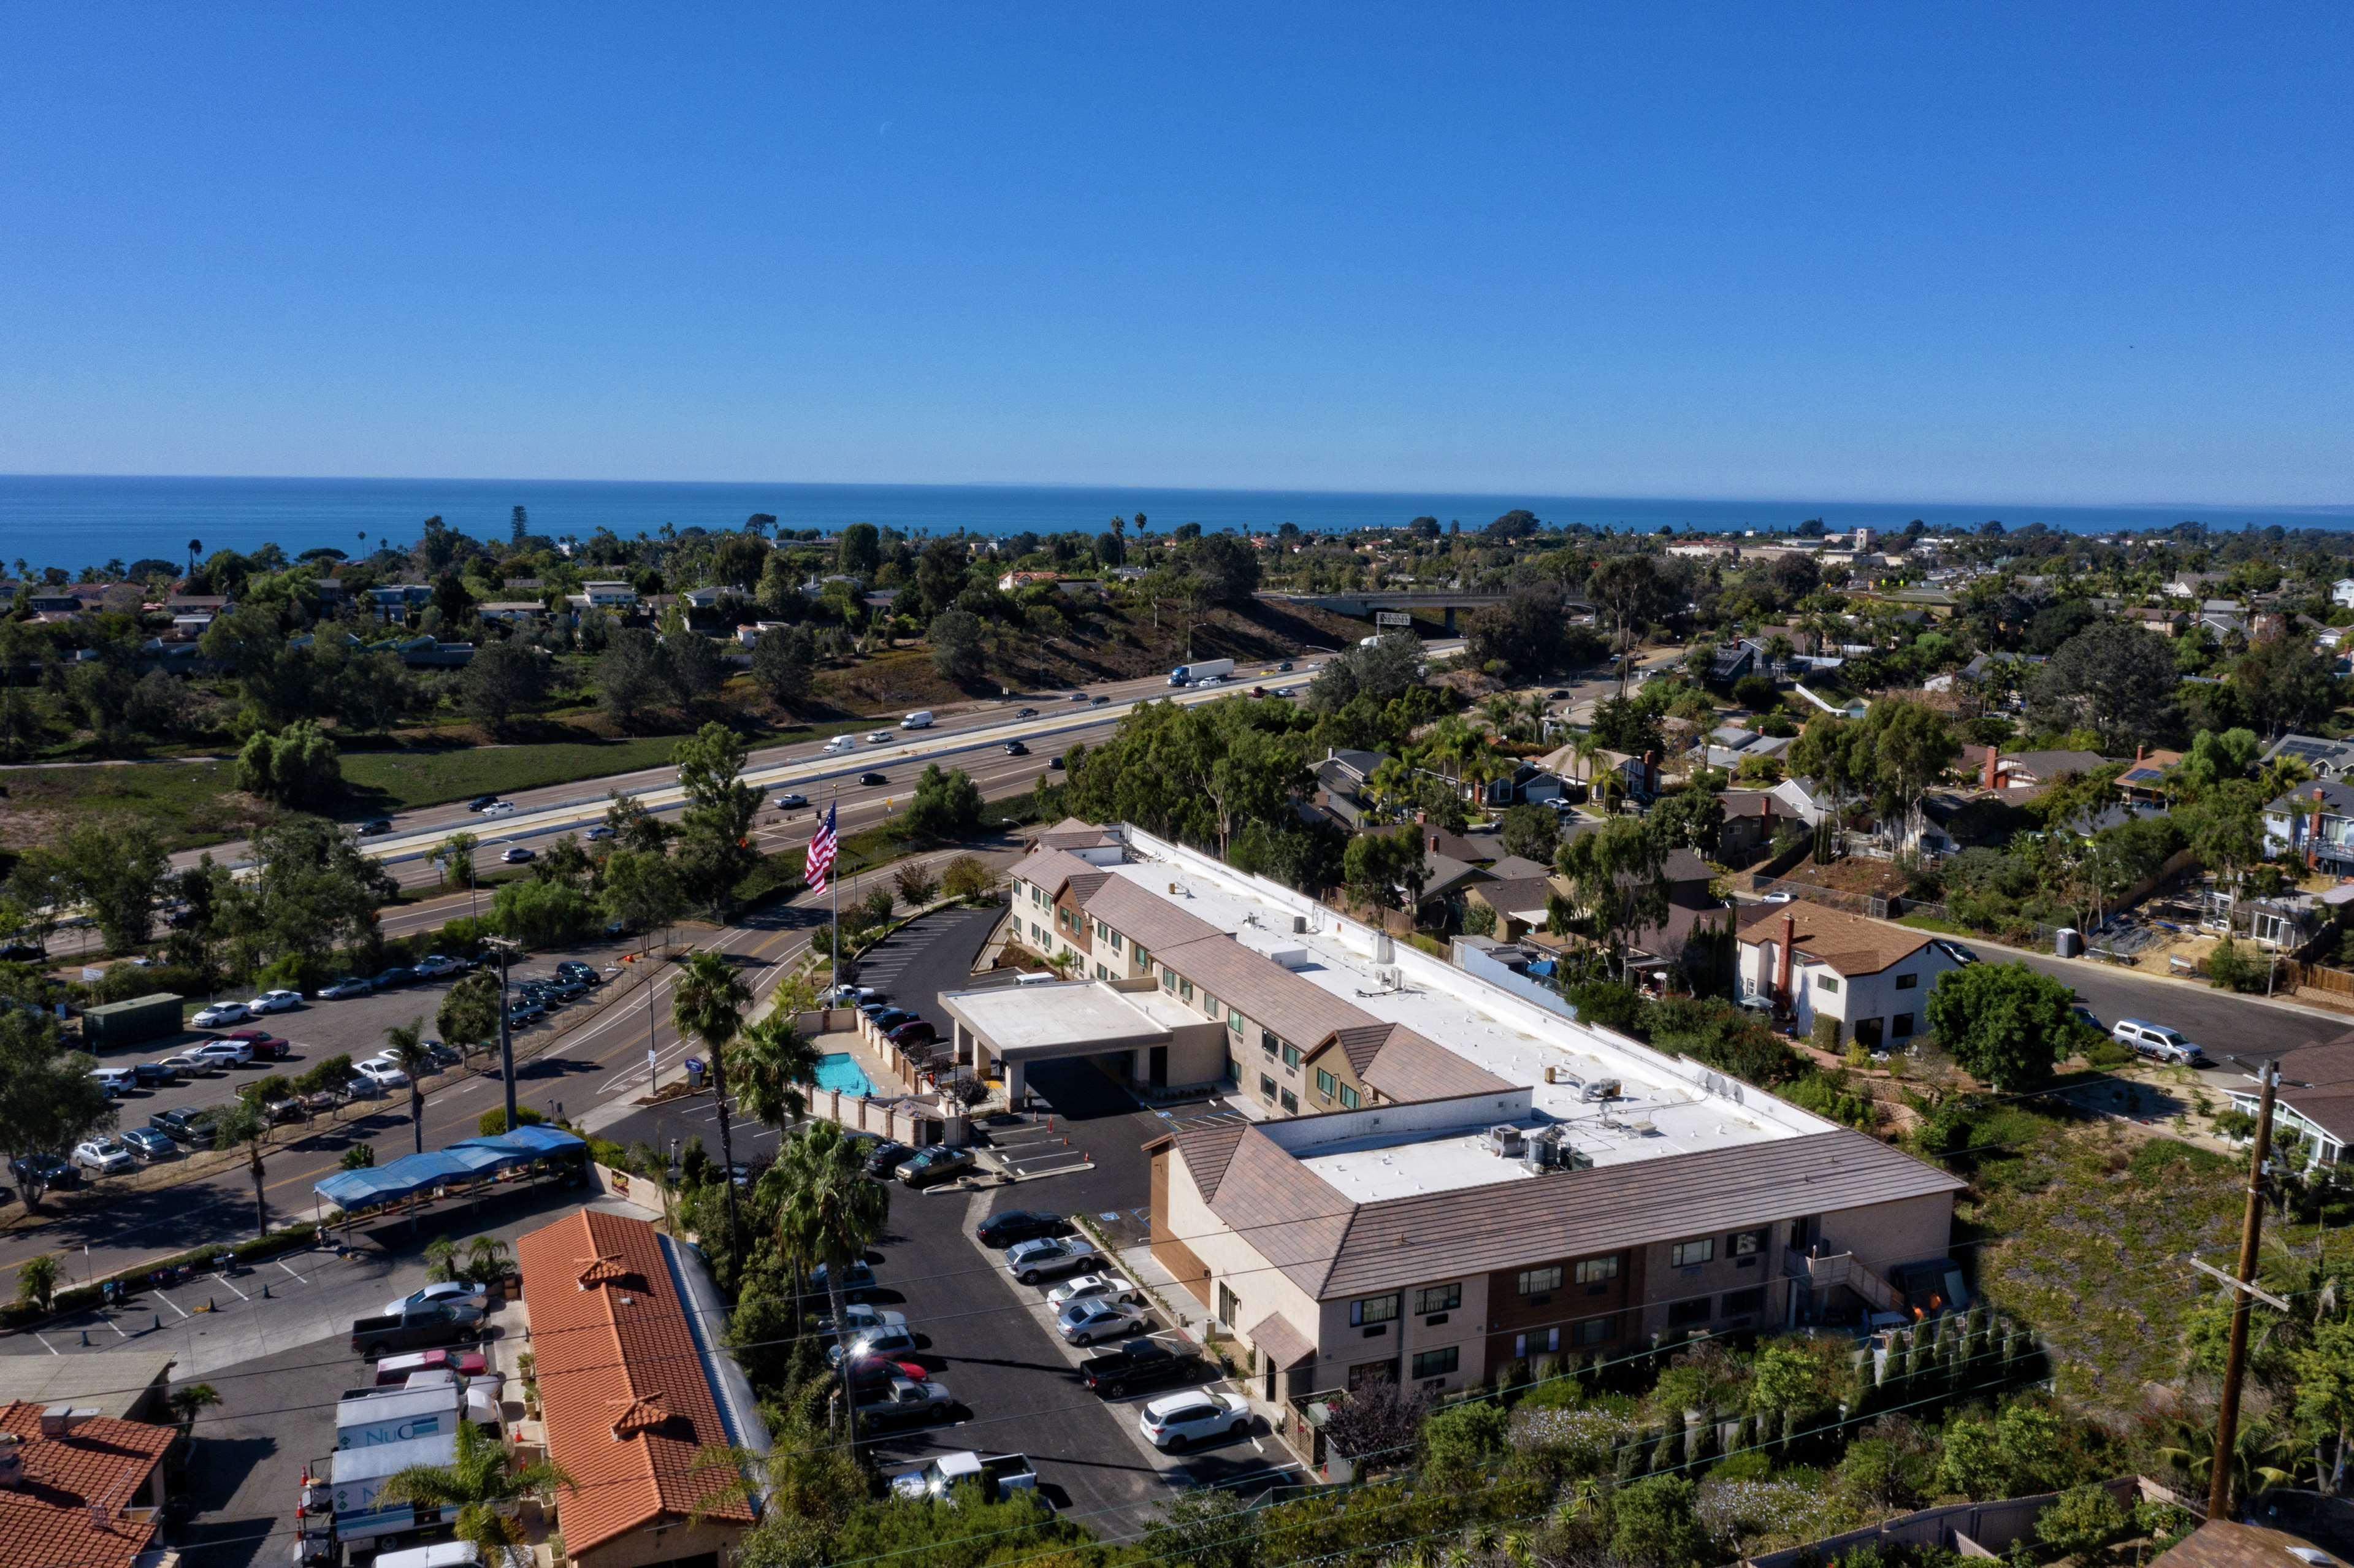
<point>438,1323</point>
<point>999,1477</point>
<point>907,1402</point>
<point>1139,1363</point>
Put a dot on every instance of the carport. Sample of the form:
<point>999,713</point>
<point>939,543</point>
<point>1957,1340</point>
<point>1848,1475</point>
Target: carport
<point>1158,1041</point>
<point>464,1163</point>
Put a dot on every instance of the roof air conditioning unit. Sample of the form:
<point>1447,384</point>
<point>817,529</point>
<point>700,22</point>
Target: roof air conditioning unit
<point>1300,924</point>
<point>1391,978</point>
<point>1537,1154</point>
<point>1504,1140</point>
<point>1601,1089</point>
<point>1556,1074</point>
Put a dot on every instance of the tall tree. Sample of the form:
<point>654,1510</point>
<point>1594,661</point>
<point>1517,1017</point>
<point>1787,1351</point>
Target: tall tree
<point>247,1122</point>
<point>708,1002</point>
<point>773,1068</point>
<point>2106,680</point>
<point>405,1043</point>
<point>829,1213</point>
<point>1618,883</point>
<point>47,1098</point>
<point>716,830</point>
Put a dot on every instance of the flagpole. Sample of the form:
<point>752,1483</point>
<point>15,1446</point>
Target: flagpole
<point>834,886</point>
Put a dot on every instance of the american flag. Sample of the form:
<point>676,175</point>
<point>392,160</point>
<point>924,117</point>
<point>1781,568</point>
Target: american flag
<point>821,855</point>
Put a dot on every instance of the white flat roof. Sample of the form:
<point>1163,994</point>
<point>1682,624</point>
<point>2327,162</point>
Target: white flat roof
<point>1664,1106</point>
<point>1018,1018</point>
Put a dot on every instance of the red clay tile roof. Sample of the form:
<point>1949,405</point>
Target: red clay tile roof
<point>609,1354</point>
<point>101,1463</point>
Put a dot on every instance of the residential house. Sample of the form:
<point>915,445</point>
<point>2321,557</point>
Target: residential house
<point>394,601</point>
<point>2313,1106</point>
<point>2026,771</point>
<point>606,594</point>
<point>2195,584</point>
<point>1868,978</point>
<point>512,611</point>
<point>2342,592</point>
<point>2165,622</point>
<point>634,1390</point>
<point>1751,817</point>
<point>2315,821</point>
<point>1345,785</point>
<point>1013,580</point>
<point>2326,758</point>
<point>2146,779</point>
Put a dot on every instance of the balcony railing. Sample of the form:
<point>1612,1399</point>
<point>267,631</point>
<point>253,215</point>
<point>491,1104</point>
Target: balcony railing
<point>1825,1272</point>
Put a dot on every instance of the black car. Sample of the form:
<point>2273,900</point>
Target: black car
<point>887,1159</point>
<point>479,801</point>
<point>1015,749</point>
<point>376,825</point>
<point>186,1125</point>
<point>22,952</point>
<point>873,779</point>
<point>1139,1363</point>
<point>149,1075</point>
<point>43,1171</point>
<point>1098,701</point>
<point>886,1019</point>
<point>1056,763</point>
<point>574,970</point>
<point>1019,1225</point>
<point>397,975</point>
<point>1025,713</point>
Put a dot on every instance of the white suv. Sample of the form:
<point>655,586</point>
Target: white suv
<point>102,1155</point>
<point>2159,1043</point>
<point>383,1071</point>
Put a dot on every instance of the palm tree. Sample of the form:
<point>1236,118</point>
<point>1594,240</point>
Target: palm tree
<point>1587,749</point>
<point>246,1122</point>
<point>405,1043</point>
<point>486,1259</point>
<point>482,1482</point>
<point>709,1003</point>
<point>774,1063</point>
<point>187,1401</point>
<point>195,548</point>
<point>827,1210</point>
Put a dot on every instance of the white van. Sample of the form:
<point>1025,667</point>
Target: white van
<point>920,719</point>
<point>842,743</point>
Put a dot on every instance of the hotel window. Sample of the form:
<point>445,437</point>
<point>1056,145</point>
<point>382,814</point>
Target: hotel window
<point>1209,1008</point>
<point>1234,1021</point>
<point>1326,1084</point>
<point>1683,1313</point>
<point>1437,1364</point>
<point>1597,1273</point>
<point>1373,1310</point>
<point>1169,980</point>
<point>1745,1244</point>
<point>1537,1281</point>
<point>1350,1100</point>
<point>1827,984</point>
<point>1184,989</point>
<point>1291,1056</point>
<point>1268,1045</point>
<point>1541,1343</point>
<point>1691,1254</point>
<point>1750,1300</point>
<point>1291,1102</point>
<point>1265,1087</point>
<point>1115,937</point>
<point>1437,1298</point>
<point>1143,955</point>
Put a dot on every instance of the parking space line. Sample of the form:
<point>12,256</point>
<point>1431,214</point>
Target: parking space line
<point>116,1325</point>
<point>241,1296</point>
<point>49,1347</point>
<point>283,1265</point>
<point>174,1306</point>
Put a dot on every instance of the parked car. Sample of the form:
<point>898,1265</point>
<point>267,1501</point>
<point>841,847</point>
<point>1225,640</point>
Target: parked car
<point>870,776</point>
<point>1175,1422</point>
<point>43,1171</point>
<point>934,1166</point>
<point>857,1278</point>
<point>524,1012</point>
<point>185,1123</point>
<point>437,966</point>
<point>587,974</point>
<point>347,986</point>
<point>264,1045</point>
<point>106,1156</point>
<point>445,1055</point>
<point>915,1031</point>
<point>907,1402</point>
<point>1009,1225</point>
<point>463,1290</point>
<point>390,979</point>
<point>516,854</point>
<point>219,1014</point>
<point>270,1002</point>
<point>1139,1363</point>
<point>890,1342</point>
<point>226,1053</point>
<point>399,1369</point>
<point>1090,1286</point>
<point>998,1475</point>
<point>155,1075</point>
<point>560,984</point>
<point>1093,1318</point>
<point>1015,749</point>
<point>381,1070</point>
<point>1047,1256</point>
<point>149,1144</point>
<point>116,1081</point>
<point>869,1375</point>
<point>888,1159</point>
<point>417,1327</point>
<point>2158,1043</point>
<point>861,1318</point>
<point>791,801</point>
<point>189,1064</point>
<point>888,1017</point>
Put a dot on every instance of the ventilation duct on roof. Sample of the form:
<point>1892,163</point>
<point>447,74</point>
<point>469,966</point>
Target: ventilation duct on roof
<point>1505,1141</point>
<point>1290,957</point>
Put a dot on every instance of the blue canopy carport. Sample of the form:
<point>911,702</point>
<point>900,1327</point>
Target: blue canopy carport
<point>467,1163</point>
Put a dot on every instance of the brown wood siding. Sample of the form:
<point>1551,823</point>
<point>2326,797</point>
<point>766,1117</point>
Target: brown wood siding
<point>1171,1254</point>
<point>1510,1313</point>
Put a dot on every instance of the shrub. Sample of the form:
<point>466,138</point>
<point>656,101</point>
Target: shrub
<point>493,1122</point>
<point>1827,1033</point>
<point>1829,1095</point>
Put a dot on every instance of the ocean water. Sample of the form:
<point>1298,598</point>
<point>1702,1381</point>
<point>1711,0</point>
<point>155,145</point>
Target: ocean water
<point>76,520</point>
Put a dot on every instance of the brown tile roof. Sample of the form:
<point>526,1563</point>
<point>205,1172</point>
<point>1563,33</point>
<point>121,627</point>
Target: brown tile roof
<point>1283,1345</point>
<point>1146,918</point>
<point>1292,1005</point>
<point>1072,834</point>
<point>2224,1544</point>
<point>1848,943</point>
<point>1362,1042</point>
<point>1083,885</point>
<point>101,1463</point>
<point>1049,868</point>
<point>1411,1067</point>
<point>1207,1151</point>
<point>1521,893</point>
<point>1332,1248</point>
<point>622,1381</point>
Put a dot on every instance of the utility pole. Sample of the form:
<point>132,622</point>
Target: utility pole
<point>504,947</point>
<point>2227,1416</point>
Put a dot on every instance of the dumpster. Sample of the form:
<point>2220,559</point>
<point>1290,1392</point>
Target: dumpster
<point>128,1022</point>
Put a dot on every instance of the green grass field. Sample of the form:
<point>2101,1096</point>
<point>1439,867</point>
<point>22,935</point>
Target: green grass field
<point>188,803</point>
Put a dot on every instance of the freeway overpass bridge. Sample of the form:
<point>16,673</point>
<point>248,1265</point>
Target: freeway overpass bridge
<point>1406,601</point>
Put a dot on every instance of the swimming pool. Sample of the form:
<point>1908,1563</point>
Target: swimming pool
<point>840,1070</point>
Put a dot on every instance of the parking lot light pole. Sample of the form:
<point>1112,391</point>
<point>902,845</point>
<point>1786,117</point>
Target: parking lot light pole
<point>504,947</point>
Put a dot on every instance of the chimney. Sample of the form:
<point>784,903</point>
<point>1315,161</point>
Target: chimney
<point>1789,942</point>
<point>1993,758</point>
<point>2141,751</point>
<point>1650,773</point>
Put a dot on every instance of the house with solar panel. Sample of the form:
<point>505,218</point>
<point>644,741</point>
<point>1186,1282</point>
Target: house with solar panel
<point>2326,758</point>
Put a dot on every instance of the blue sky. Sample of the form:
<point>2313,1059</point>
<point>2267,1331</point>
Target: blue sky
<point>2049,253</point>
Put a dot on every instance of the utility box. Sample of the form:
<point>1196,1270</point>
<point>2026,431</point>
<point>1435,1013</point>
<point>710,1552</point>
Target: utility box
<point>127,1022</point>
